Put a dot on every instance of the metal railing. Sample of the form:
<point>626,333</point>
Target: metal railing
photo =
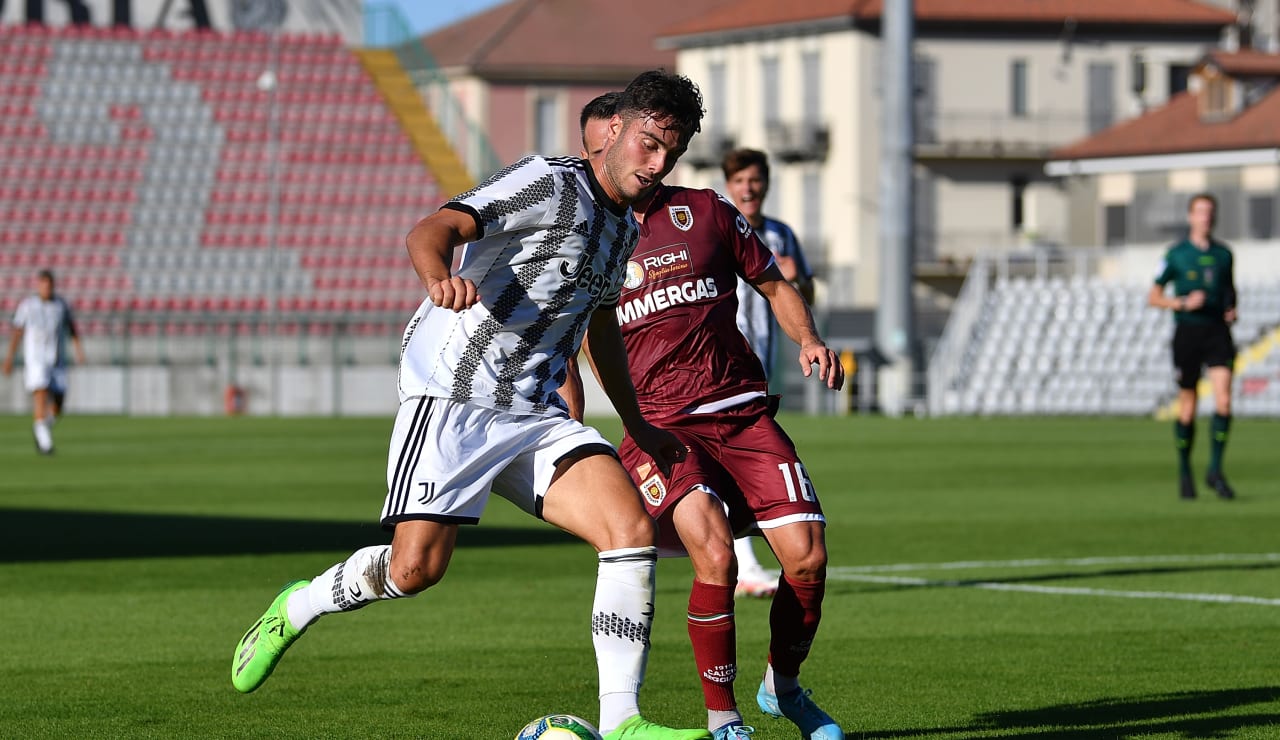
<point>386,27</point>
<point>977,129</point>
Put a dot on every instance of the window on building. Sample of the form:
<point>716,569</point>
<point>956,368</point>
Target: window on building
<point>769,93</point>
<point>1100,92</point>
<point>1262,217</point>
<point>1018,88</point>
<point>811,192</point>
<point>811,69</point>
<point>715,92</point>
<point>924,185</point>
<point>546,124</point>
<point>1114,226</point>
<point>1216,100</point>
<point>1017,206</point>
<point>1178,76</point>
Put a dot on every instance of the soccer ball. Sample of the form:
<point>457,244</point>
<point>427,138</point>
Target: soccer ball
<point>559,727</point>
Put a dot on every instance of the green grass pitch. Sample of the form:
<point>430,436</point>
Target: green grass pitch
<point>1011,578</point>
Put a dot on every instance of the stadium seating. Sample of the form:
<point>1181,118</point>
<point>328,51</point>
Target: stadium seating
<point>163,171</point>
<point>1087,346</point>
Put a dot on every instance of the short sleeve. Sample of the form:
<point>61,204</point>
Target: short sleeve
<point>751,254</point>
<point>514,198</point>
<point>1166,271</point>
<point>21,317</point>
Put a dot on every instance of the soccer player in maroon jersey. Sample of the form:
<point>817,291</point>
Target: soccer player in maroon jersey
<point>696,375</point>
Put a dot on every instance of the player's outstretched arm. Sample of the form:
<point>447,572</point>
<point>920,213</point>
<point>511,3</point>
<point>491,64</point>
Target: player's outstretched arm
<point>431,244</point>
<point>608,357</point>
<point>797,321</point>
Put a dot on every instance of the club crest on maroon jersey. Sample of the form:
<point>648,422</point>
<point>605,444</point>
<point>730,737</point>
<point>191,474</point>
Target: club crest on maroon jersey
<point>653,490</point>
<point>681,216</point>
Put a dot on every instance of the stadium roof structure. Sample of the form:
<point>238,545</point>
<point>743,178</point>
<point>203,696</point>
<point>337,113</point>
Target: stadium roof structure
<point>1186,131</point>
<point>758,14</point>
<point>586,40</point>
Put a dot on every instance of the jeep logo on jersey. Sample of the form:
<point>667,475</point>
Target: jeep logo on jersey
<point>586,277</point>
<point>681,216</point>
<point>635,276</point>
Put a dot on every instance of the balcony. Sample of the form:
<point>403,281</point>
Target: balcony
<point>798,141</point>
<point>707,149</point>
<point>958,134</point>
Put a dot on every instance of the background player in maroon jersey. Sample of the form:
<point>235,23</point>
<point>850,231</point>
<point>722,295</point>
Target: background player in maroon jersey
<point>696,375</point>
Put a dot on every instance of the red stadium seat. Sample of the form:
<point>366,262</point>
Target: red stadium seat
<point>349,187</point>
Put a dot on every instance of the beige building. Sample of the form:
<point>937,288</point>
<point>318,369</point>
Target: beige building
<point>1130,183</point>
<point>999,85</point>
<point>520,82</point>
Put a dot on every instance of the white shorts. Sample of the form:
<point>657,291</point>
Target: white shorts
<point>45,377</point>
<point>446,457</point>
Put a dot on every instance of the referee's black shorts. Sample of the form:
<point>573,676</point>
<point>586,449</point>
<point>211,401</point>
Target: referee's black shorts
<point>1196,346</point>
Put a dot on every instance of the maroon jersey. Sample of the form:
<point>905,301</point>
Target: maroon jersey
<point>678,310</point>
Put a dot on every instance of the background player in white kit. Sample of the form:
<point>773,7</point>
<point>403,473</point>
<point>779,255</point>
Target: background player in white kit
<point>746,177</point>
<point>547,244</point>
<point>43,324</point>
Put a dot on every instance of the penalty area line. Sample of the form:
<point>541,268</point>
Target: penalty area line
<point>1220,557</point>
<point>1054,590</point>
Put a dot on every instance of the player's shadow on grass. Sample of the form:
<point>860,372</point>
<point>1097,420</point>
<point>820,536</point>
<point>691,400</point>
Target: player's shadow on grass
<point>1186,714</point>
<point>32,535</point>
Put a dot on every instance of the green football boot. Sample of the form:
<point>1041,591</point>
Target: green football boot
<point>639,728</point>
<point>261,647</point>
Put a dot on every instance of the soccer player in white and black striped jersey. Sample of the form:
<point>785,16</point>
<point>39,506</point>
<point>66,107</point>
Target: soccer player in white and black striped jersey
<point>43,325</point>
<point>547,242</point>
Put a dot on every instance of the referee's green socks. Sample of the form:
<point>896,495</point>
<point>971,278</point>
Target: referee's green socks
<point>1184,435</point>
<point>1218,429</point>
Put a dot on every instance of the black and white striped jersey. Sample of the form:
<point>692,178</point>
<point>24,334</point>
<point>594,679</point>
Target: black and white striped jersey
<point>553,248</point>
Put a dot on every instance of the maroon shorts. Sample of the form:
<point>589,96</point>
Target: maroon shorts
<point>739,454</point>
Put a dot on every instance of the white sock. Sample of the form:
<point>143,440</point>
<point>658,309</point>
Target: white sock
<point>621,618</point>
<point>746,555</point>
<point>355,582</point>
<point>778,683</point>
<point>51,421</point>
<point>44,438</point>
<point>717,718</point>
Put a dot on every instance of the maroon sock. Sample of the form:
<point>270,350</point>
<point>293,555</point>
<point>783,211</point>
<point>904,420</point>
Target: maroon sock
<point>793,621</point>
<point>711,630</point>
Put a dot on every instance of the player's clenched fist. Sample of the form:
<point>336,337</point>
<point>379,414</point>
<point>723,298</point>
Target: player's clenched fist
<point>456,293</point>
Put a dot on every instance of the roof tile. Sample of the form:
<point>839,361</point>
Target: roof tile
<point>756,13</point>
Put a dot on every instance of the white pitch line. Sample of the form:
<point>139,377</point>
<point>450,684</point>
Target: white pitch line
<point>1060,590</point>
<point>1222,557</point>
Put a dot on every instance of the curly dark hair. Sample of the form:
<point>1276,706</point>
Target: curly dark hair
<point>664,95</point>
